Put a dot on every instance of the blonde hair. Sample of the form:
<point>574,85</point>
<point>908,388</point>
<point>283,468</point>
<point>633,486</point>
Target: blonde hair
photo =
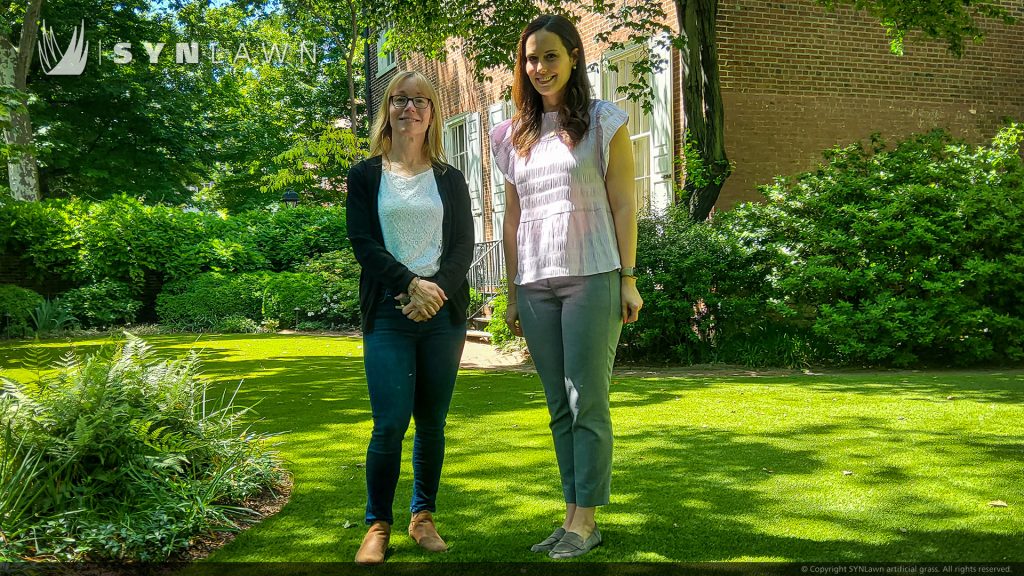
<point>380,135</point>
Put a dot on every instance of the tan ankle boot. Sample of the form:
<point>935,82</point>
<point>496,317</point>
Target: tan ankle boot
<point>422,530</point>
<point>375,544</point>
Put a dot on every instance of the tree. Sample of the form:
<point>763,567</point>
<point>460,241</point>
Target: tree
<point>488,31</point>
<point>14,116</point>
<point>165,132</point>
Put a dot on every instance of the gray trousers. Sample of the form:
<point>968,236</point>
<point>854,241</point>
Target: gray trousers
<point>572,326</point>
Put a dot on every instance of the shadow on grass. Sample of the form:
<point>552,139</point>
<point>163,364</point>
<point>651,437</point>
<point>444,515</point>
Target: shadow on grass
<point>680,492</point>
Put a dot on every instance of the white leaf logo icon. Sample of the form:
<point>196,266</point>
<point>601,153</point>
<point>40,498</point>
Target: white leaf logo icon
<point>70,62</point>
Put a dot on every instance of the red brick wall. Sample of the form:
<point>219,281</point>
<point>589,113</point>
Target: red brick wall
<point>797,79</point>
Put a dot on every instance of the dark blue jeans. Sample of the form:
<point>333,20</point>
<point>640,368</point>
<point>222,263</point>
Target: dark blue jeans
<point>410,372</point>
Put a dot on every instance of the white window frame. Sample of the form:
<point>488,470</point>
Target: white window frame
<point>471,168</point>
<point>608,88</point>
<point>386,61</point>
<point>497,113</point>
<point>661,166</point>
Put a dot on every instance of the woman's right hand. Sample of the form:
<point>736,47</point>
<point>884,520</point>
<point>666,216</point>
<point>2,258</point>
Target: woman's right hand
<point>427,296</point>
<point>512,318</point>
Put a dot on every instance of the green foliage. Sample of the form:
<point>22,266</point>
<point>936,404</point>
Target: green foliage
<point>501,335</point>
<point>202,302</point>
<point>16,306</point>
<point>123,457</point>
<point>339,273</point>
<point>903,256</point>
<point>215,301</point>
<point>476,301</point>
<point>236,324</point>
<point>317,166</point>
<point>102,304</point>
<point>20,489</point>
<point>289,237</point>
<point>41,235</point>
<point>952,21</point>
<point>121,242</point>
<point>51,316</point>
<point>706,298</point>
<point>290,297</point>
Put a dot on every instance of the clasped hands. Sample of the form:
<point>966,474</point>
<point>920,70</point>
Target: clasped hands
<point>421,300</point>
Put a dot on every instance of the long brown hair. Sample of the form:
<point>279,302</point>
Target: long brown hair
<point>574,113</point>
<point>380,134</point>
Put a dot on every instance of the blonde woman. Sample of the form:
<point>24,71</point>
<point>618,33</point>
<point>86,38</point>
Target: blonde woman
<point>411,229</point>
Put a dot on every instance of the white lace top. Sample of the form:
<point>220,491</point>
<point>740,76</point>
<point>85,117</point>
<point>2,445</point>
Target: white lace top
<point>411,215</point>
<point>565,226</point>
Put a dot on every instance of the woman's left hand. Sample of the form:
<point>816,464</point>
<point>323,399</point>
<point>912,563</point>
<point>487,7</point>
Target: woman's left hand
<point>631,301</point>
<point>412,310</point>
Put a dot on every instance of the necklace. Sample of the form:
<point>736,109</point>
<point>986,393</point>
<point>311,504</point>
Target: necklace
<point>406,170</point>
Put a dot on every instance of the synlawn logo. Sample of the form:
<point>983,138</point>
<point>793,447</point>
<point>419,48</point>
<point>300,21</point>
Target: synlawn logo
<point>57,62</point>
<point>71,62</point>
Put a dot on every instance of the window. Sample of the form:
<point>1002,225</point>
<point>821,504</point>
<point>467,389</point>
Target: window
<point>385,60</point>
<point>462,145</point>
<point>495,115</point>
<point>639,122</point>
<point>651,134</point>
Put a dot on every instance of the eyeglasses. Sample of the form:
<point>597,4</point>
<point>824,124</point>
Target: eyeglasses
<point>402,101</point>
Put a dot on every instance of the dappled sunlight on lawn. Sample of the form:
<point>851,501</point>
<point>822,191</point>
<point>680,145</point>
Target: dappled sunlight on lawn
<point>846,466</point>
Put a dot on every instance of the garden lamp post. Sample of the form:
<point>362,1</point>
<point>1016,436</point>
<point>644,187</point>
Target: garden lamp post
<point>290,198</point>
<point>296,317</point>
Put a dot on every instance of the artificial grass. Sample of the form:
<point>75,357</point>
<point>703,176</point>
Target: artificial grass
<point>715,466</point>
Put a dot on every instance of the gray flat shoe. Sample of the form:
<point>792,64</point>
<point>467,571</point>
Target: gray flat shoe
<point>572,545</point>
<point>548,543</point>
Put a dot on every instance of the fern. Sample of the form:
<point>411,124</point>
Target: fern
<point>133,456</point>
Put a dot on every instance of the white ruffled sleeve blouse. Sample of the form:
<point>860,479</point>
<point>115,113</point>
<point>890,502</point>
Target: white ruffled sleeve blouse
<point>565,226</point>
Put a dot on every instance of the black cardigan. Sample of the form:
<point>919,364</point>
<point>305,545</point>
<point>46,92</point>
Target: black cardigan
<point>380,269</point>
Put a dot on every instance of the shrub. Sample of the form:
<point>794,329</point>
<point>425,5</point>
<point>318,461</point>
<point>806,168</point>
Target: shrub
<point>215,301</point>
<point>292,236</point>
<point>51,316</point>
<point>16,306</point>
<point>706,297</point>
<point>903,256</point>
<point>311,326</point>
<point>476,301</point>
<point>200,303</point>
<point>236,324</point>
<point>123,457</point>
<point>290,297</point>
<point>42,236</point>
<point>501,335</point>
<point>103,304</point>
<point>340,274</point>
<point>78,243</point>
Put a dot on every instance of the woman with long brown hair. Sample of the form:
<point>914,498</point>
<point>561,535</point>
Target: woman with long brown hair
<point>570,238</point>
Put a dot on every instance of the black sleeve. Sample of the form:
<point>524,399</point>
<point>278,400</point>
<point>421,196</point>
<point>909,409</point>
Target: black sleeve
<point>453,269</point>
<point>370,252</point>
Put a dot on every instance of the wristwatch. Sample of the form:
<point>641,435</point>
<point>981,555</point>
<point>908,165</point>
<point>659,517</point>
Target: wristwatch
<point>628,271</point>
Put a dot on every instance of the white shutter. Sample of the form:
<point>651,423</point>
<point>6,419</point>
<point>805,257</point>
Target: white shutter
<point>594,75</point>
<point>474,173</point>
<point>496,113</point>
<point>661,131</point>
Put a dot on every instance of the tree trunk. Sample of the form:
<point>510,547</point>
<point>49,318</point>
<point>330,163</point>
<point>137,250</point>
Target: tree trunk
<point>29,33</point>
<point>21,163</point>
<point>353,39</point>
<point>702,106</point>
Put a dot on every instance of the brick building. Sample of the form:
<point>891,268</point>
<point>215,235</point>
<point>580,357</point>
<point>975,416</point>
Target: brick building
<point>796,79</point>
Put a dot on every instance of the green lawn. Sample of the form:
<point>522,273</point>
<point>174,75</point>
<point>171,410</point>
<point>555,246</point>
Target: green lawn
<point>853,466</point>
